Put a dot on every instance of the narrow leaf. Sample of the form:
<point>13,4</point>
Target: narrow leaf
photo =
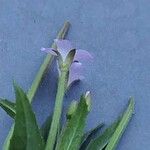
<point>71,136</point>
<point>89,136</point>
<point>9,107</point>
<point>121,127</point>
<point>26,135</point>
<point>101,141</point>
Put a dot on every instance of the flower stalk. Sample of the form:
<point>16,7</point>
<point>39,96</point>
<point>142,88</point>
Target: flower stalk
<point>47,61</point>
<point>62,84</point>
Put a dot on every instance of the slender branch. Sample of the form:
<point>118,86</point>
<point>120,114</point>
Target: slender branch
<point>47,61</point>
<point>57,110</point>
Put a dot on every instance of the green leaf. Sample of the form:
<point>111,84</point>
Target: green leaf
<point>111,133</point>
<point>121,127</point>
<point>26,135</point>
<point>71,136</point>
<point>45,128</point>
<point>9,107</point>
<point>101,141</point>
<point>89,136</point>
<point>7,140</point>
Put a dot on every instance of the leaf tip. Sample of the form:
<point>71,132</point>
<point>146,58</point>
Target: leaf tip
<point>132,103</point>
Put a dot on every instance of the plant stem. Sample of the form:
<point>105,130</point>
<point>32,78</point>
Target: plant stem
<point>31,93</point>
<point>57,110</point>
<point>47,61</point>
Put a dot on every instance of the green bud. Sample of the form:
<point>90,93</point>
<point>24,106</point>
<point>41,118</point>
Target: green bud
<point>88,100</point>
<point>70,57</point>
<point>72,108</point>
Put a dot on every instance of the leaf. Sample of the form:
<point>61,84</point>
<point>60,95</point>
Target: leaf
<point>89,135</point>
<point>9,107</point>
<point>121,127</point>
<point>71,136</point>
<point>101,141</point>
<point>45,128</point>
<point>88,100</point>
<point>26,135</point>
<point>7,140</point>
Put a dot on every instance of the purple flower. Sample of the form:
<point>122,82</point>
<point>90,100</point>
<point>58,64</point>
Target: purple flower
<point>63,48</point>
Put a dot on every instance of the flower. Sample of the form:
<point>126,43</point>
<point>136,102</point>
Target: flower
<point>62,50</point>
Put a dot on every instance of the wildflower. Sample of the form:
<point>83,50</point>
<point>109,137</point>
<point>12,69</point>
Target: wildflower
<point>64,47</point>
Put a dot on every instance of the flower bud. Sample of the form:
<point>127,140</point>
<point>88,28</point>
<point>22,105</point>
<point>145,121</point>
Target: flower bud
<point>88,100</point>
<point>72,108</point>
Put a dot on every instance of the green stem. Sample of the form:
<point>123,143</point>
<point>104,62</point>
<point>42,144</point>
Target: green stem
<point>31,93</point>
<point>47,61</point>
<point>57,110</point>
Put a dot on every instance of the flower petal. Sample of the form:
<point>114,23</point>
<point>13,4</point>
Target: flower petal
<point>82,55</point>
<point>63,46</point>
<point>49,50</point>
<point>75,73</point>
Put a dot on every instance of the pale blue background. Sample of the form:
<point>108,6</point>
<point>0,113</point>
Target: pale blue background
<point>117,32</point>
